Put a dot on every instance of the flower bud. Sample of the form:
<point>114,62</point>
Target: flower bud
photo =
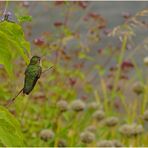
<point>62,105</point>
<point>117,143</point>
<point>105,143</point>
<point>111,121</point>
<point>109,143</point>
<point>91,128</point>
<point>138,88</point>
<point>46,134</point>
<point>98,115</point>
<point>87,137</point>
<point>78,105</point>
<point>62,143</point>
<point>92,105</point>
<point>131,130</point>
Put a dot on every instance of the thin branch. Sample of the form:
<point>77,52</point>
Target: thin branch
<point>47,69</point>
<point>13,99</point>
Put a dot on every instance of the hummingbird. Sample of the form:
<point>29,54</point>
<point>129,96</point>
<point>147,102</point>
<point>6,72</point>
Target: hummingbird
<point>32,74</point>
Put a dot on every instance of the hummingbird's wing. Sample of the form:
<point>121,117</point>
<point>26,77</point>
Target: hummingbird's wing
<point>32,74</point>
<point>37,76</point>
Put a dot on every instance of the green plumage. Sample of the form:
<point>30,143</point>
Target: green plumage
<point>32,74</point>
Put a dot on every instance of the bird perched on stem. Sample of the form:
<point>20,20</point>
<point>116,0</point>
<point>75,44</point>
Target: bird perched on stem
<point>32,74</point>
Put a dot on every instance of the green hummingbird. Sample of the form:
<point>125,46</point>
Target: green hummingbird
<point>32,74</point>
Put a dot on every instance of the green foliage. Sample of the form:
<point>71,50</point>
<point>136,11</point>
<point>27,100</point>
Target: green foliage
<point>10,131</point>
<point>23,19</point>
<point>13,43</point>
<point>4,93</point>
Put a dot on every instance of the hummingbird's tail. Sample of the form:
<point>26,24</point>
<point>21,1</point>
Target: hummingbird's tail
<point>13,99</point>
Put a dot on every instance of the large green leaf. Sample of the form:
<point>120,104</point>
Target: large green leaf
<point>10,131</point>
<point>12,43</point>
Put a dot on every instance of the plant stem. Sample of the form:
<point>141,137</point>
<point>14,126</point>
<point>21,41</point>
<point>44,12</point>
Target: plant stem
<point>6,6</point>
<point>74,130</point>
<point>58,122</point>
<point>104,91</point>
<point>123,48</point>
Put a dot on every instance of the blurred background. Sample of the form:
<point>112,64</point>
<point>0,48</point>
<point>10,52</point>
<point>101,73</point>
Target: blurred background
<point>99,53</point>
